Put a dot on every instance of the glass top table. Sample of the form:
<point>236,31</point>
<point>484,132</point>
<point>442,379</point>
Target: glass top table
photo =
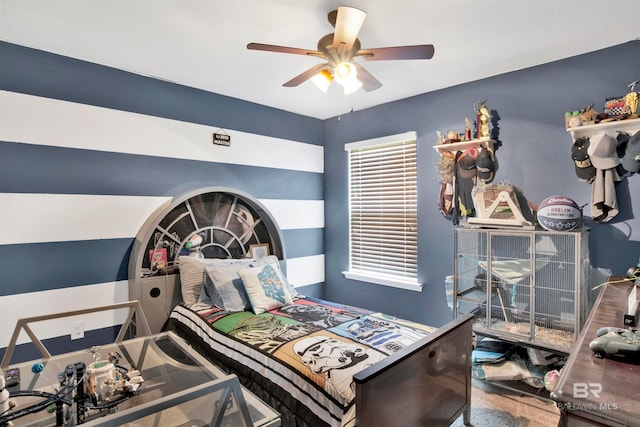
<point>179,387</point>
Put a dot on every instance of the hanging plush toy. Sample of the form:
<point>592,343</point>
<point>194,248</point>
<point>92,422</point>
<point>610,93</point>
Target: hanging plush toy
<point>445,167</point>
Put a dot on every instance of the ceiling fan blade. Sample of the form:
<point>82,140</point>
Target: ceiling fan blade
<point>303,77</point>
<point>348,23</point>
<point>422,51</point>
<point>283,49</point>
<point>369,83</point>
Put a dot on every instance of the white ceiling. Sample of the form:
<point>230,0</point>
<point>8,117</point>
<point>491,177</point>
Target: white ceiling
<point>202,43</point>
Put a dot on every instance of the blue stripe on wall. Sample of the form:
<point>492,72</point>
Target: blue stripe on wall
<point>56,265</point>
<point>46,74</point>
<point>23,169</point>
<point>303,242</point>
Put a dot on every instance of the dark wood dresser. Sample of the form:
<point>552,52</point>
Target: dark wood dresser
<point>592,391</point>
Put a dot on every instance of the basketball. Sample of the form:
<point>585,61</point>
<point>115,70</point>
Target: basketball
<point>559,213</point>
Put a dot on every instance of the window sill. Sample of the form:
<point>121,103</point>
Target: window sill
<point>385,281</point>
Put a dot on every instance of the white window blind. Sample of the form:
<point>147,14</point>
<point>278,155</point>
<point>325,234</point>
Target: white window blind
<point>383,227</point>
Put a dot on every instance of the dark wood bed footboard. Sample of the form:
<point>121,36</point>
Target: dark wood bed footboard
<point>425,384</point>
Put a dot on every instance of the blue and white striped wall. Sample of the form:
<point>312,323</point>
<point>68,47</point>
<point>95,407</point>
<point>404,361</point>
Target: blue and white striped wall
<point>78,180</point>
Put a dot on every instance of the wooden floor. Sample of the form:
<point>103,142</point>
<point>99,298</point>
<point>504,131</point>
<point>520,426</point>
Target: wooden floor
<point>493,406</point>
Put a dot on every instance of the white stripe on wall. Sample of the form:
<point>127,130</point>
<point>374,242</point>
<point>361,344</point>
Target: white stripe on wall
<point>72,217</point>
<point>40,303</point>
<point>73,125</point>
<point>305,271</point>
<point>296,214</point>
<point>36,218</point>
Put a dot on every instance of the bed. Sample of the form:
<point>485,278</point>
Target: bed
<point>317,362</point>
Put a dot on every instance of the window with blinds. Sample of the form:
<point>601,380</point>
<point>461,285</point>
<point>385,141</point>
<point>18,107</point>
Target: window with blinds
<point>383,216</point>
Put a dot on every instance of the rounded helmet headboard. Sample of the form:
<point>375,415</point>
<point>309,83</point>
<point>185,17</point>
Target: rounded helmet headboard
<point>223,223</point>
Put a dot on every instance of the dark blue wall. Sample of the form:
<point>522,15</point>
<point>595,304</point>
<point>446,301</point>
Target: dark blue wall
<point>533,153</point>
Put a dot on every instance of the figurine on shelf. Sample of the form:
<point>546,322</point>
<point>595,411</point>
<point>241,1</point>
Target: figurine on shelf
<point>452,136</point>
<point>467,129</point>
<point>588,115</point>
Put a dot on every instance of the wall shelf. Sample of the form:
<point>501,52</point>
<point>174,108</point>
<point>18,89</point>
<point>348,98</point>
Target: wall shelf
<point>464,145</point>
<point>628,125</point>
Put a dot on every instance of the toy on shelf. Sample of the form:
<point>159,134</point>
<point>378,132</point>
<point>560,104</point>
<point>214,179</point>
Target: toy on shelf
<point>617,108</point>
<point>454,141</point>
<point>497,205</point>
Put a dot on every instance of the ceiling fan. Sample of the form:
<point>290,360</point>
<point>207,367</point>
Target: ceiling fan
<point>340,48</point>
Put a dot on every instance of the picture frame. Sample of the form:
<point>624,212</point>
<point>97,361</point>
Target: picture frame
<point>259,250</point>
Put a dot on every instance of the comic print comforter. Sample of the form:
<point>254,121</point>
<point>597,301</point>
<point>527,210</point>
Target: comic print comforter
<point>311,348</point>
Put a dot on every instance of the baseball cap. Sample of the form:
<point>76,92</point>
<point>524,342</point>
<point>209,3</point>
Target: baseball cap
<point>467,163</point>
<point>631,158</point>
<point>485,165</point>
<point>602,151</point>
<point>581,159</point>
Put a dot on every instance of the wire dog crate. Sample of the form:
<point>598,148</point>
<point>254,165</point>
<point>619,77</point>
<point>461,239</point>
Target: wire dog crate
<point>523,286</point>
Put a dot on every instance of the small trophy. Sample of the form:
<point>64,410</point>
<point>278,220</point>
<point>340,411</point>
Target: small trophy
<point>631,100</point>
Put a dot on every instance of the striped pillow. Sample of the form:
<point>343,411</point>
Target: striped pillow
<point>191,278</point>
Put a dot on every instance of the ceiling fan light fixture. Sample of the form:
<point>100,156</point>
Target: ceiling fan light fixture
<point>345,72</point>
<point>323,80</point>
<point>351,86</point>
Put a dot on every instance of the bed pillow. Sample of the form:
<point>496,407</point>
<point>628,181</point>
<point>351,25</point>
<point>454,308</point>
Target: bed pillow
<point>265,287</point>
<point>223,286</point>
<point>204,297</point>
<point>191,278</point>
<point>290,288</point>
